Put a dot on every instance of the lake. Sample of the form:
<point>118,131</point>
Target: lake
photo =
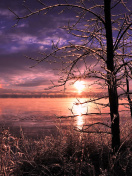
<point>39,116</point>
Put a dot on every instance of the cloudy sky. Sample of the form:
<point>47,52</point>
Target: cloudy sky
<point>28,38</point>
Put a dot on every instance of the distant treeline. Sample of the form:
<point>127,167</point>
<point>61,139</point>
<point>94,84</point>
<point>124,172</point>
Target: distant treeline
<point>50,96</point>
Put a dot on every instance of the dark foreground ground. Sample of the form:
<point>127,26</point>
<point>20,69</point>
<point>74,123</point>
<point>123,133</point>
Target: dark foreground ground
<point>69,153</point>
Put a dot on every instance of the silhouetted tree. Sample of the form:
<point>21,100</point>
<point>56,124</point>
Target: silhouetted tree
<point>100,37</point>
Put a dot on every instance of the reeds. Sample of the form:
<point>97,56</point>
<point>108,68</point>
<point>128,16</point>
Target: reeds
<point>68,154</point>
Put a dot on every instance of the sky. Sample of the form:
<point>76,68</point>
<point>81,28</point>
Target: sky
<point>29,38</point>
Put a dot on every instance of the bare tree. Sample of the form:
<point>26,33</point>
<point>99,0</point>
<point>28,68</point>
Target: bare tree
<point>127,72</point>
<point>100,38</point>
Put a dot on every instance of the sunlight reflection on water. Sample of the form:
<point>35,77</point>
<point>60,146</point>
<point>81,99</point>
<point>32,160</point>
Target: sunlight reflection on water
<point>43,112</point>
<point>80,122</point>
<point>79,110</point>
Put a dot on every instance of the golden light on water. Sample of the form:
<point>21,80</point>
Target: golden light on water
<point>29,112</point>
<point>80,122</point>
<point>79,85</point>
<point>79,110</point>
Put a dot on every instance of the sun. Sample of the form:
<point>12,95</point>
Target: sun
<point>79,85</point>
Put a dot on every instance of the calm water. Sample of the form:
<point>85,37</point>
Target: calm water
<point>40,115</point>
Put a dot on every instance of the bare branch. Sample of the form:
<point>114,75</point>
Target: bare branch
<point>116,4</point>
<point>64,5</point>
<point>123,33</point>
<point>87,131</point>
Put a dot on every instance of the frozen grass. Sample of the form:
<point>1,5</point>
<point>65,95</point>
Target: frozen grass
<point>70,154</point>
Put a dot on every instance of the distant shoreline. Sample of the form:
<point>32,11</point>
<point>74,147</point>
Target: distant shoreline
<point>49,97</point>
<point>54,96</point>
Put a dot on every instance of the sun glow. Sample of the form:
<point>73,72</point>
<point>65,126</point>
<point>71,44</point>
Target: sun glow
<point>79,85</point>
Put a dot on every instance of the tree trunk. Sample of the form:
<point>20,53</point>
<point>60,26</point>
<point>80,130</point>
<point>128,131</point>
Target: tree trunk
<point>112,88</point>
